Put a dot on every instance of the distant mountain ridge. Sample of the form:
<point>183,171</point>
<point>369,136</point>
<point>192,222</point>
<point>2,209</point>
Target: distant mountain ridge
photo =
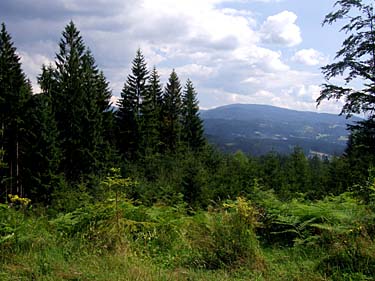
<point>258,129</point>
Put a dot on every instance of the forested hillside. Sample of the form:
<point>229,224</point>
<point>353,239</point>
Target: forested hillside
<point>89,193</point>
<point>258,129</point>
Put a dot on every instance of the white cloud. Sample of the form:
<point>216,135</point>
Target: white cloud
<point>195,70</point>
<point>32,65</point>
<point>114,100</point>
<point>303,97</point>
<point>281,29</point>
<point>212,42</point>
<point>310,57</point>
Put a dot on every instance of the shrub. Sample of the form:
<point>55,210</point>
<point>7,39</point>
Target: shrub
<point>225,237</point>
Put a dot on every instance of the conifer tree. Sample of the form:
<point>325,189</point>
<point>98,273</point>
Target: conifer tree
<point>129,112</point>
<point>172,110</point>
<point>127,132</point>
<point>151,114</point>
<point>2,166</point>
<point>68,100</point>
<point>355,64</point>
<point>192,126</point>
<point>97,97</point>
<point>108,117</point>
<point>78,103</point>
<point>356,58</point>
<point>43,155</point>
<point>298,173</point>
<point>15,91</point>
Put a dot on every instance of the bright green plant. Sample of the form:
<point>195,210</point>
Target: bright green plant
<point>19,201</point>
<point>115,183</point>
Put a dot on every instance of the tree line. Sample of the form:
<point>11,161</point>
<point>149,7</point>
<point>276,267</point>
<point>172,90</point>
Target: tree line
<point>58,146</point>
<point>70,132</point>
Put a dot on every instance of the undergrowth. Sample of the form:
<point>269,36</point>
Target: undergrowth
<point>263,239</point>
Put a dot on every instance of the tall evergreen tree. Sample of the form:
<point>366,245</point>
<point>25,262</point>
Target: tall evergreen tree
<point>79,102</point>
<point>151,114</point>
<point>97,97</point>
<point>43,155</point>
<point>356,64</point>
<point>129,112</point>
<point>172,110</point>
<point>108,116</point>
<point>3,166</point>
<point>15,91</point>
<point>127,126</point>
<point>298,173</point>
<point>68,103</point>
<point>356,58</point>
<point>192,126</point>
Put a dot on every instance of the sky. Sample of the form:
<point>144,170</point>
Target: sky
<point>235,51</point>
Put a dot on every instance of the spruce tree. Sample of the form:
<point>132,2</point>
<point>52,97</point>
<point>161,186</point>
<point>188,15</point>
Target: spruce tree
<point>298,173</point>
<point>108,116</point>
<point>129,112</point>
<point>2,165</point>
<point>151,114</point>
<point>127,126</point>
<point>68,103</point>
<point>43,155</point>
<point>97,97</point>
<point>172,110</point>
<point>192,126</point>
<point>15,91</point>
<point>79,102</point>
<point>355,64</point>
<point>356,58</point>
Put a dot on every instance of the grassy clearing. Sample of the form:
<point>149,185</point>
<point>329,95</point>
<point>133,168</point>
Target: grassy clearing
<point>241,240</point>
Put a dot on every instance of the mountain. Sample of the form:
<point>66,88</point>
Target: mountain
<point>258,129</point>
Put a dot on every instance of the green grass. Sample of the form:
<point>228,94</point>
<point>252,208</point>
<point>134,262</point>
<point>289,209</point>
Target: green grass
<point>52,264</point>
<point>324,240</point>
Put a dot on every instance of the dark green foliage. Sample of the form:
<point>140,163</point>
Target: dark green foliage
<point>192,126</point>
<point>194,181</point>
<point>152,115</point>
<point>272,171</point>
<point>171,112</point>
<point>356,64</point>
<point>297,173</point>
<point>15,92</point>
<point>191,185</point>
<point>150,121</point>
<point>355,58</point>
<point>68,101</point>
<point>209,176</point>
<point>318,170</point>
<point>130,104</point>
<point>232,176</point>
<point>80,103</point>
<point>340,176</point>
<point>97,124</point>
<point>2,152</point>
<point>43,156</point>
<point>362,138</point>
<point>360,152</point>
<point>127,133</point>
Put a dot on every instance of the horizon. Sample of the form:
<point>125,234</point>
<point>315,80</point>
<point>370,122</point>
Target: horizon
<point>285,108</point>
